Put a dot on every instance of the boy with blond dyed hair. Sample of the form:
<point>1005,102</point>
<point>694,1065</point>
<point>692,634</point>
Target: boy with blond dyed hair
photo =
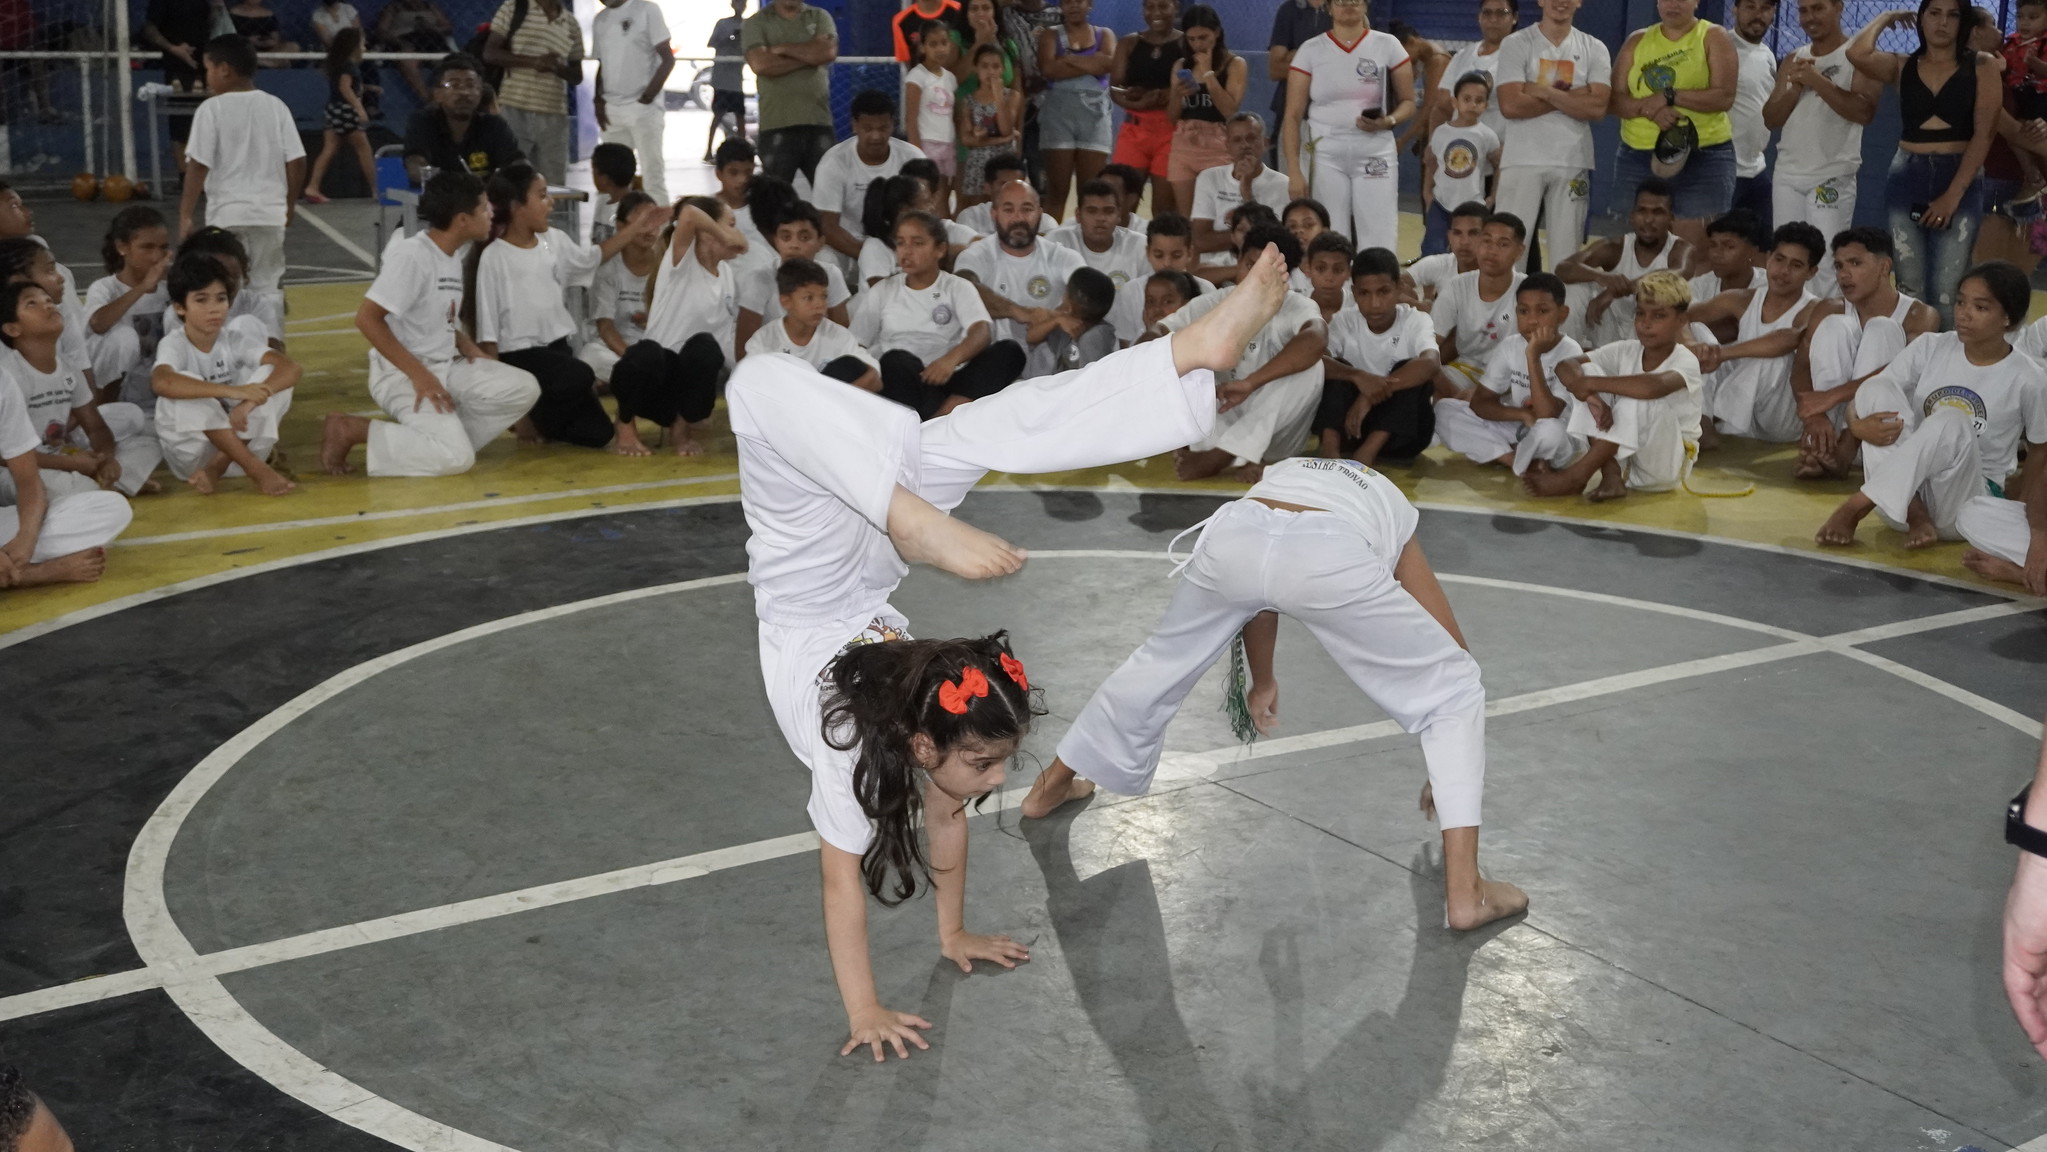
<point>1641,403</point>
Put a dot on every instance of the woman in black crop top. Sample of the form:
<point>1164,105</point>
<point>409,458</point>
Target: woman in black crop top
<point>1140,82</point>
<point>1948,100</point>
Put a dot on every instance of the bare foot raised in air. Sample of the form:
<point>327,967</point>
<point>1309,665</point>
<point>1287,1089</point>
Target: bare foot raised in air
<point>1056,785</point>
<point>338,434</point>
<point>77,568</point>
<point>1494,900</point>
<point>924,535</point>
<point>1217,340</point>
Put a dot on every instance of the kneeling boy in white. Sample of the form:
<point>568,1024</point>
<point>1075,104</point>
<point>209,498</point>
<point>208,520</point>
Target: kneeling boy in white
<point>1520,413</point>
<point>117,451</point>
<point>1640,408</point>
<point>1754,337</point>
<point>1941,425</point>
<point>47,539</point>
<point>445,397</point>
<point>1331,544</point>
<point>221,392</point>
<point>807,333</point>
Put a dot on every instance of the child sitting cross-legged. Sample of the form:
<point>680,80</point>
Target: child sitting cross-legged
<point>807,333</point>
<point>1520,414</point>
<point>1077,333</point>
<point>259,317</point>
<point>57,395</point>
<point>221,394</point>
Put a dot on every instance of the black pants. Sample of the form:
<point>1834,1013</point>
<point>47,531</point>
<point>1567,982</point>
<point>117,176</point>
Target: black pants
<point>996,368</point>
<point>847,368</point>
<point>787,151</point>
<point>568,409</point>
<point>1408,417</point>
<point>652,383</point>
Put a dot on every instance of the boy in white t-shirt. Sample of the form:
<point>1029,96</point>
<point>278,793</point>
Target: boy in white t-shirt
<point>807,333</point>
<point>1641,403</point>
<point>57,392</point>
<point>1460,162</point>
<point>1520,412</point>
<point>446,398</point>
<point>1423,279</point>
<point>798,235</point>
<point>1379,371</point>
<point>46,539</point>
<point>245,155</point>
<point>1168,247</point>
<point>221,393</point>
<point>630,39</point>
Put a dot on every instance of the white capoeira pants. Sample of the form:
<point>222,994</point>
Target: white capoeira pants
<point>1318,568</point>
<point>1751,397</point>
<point>1559,196</point>
<point>72,522</point>
<point>1650,444</point>
<point>599,356</point>
<point>639,127</point>
<point>1933,458</point>
<point>182,425</point>
<point>1356,175</point>
<point>1273,423</point>
<point>1842,350</point>
<point>1828,205</point>
<point>819,463</point>
<point>1483,441</point>
<point>489,397</point>
<point>135,444</point>
<point>1997,526</point>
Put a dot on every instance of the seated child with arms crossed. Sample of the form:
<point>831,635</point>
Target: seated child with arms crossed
<point>671,376</point>
<point>1076,333</point>
<point>258,317</point>
<point>221,394</point>
<point>805,332</point>
<point>1519,413</point>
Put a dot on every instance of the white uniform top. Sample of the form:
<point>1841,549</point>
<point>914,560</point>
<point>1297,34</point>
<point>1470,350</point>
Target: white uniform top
<point>1432,272</point>
<point>1817,142</point>
<point>1296,313</point>
<point>1506,374</point>
<point>1752,325</point>
<point>2032,339</point>
<point>1127,316</point>
<point>934,102</point>
<point>827,344</point>
<point>842,178</point>
<point>1480,324</point>
<point>981,219</point>
<point>627,42</point>
<point>1624,358</point>
<point>758,294</point>
<point>146,314</point>
<point>925,322</point>
<point>1353,491</point>
<point>1464,161</point>
<point>1352,340</point>
<point>1123,262</point>
<point>1706,285</point>
<point>1468,60</point>
<point>233,358</point>
<point>17,433</point>
<point>49,396</point>
<point>421,287</point>
<point>619,295</point>
<point>245,139</point>
<point>1553,139</point>
<point>688,299</point>
<point>1903,309</point>
<point>1216,192</point>
<point>1345,83</point>
<point>519,302</point>
<point>2003,400</point>
<point>1754,77</point>
<point>1037,280</point>
<point>1630,264</point>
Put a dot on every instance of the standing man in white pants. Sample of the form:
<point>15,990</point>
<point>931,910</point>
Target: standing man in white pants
<point>633,62</point>
<point>1553,83</point>
<point>445,397</point>
<point>1820,104</point>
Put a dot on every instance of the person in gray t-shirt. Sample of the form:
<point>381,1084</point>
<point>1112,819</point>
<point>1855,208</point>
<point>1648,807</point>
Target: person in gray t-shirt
<point>728,94</point>
<point>1077,333</point>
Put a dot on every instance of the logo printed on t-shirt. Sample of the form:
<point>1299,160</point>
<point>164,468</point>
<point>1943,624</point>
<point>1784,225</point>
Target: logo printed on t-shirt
<point>942,315</point>
<point>1556,73</point>
<point>1039,287</point>
<point>1460,159</point>
<point>1660,75</point>
<point>1963,400</point>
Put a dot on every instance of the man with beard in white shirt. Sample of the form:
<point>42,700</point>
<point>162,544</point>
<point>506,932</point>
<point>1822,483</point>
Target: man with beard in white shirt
<point>1552,85</point>
<point>1020,276</point>
<point>1097,233</point>
<point>1820,105</point>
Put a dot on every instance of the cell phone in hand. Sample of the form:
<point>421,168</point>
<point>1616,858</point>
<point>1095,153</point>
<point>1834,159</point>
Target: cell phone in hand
<point>1187,77</point>
<point>1918,210</point>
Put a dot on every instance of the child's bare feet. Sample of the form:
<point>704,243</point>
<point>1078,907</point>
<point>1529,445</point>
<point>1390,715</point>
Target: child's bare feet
<point>1548,483</point>
<point>1251,473</point>
<point>684,438</point>
<point>1812,467</point>
<point>628,442</point>
<point>1056,785</point>
<point>1217,340</point>
<point>1709,435</point>
<point>1839,530</point>
<point>268,481</point>
<point>1613,484</point>
<point>526,431</point>
<point>1919,529</point>
<point>149,488</point>
<point>924,535</point>
<point>1191,465</point>
<point>1494,900</point>
<point>201,480</point>
<point>338,434</point>
<point>77,568</point>
<point>1993,567</point>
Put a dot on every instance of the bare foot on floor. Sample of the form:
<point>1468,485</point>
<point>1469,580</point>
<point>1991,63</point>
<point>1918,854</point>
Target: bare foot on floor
<point>1547,483</point>
<point>628,442</point>
<point>149,488</point>
<point>1993,567</point>
<point>1056,785</point>
<point>1919,529</point>
<point>1217,340</point>
<point>526,432</point>
<point>1613,485</point>
<point>340,433</point>
<point>1250,473</point>
<point>201,481</point>
<point>1495,900</point>
<point>924,535</point>
<point>269,482</point>
<point>684,438</point>
<point>77,568</point>
<point>1812,467</point>
<point>1839,530</point>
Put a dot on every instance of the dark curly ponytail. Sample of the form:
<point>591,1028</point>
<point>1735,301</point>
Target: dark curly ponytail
<point>881,695</point>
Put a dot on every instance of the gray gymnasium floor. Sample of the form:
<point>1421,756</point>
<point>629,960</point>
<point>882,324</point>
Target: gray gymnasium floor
<point>489,841</point>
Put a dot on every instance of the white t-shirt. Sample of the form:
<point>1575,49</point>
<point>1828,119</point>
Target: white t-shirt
<point>758,294</point>
<point>1464,161</point>
<point>421,287</point>
<point>519,290</point>
<point>1480,324</point>
<point>1353,491</point>
<point>629,43</point>
<point>17,432</point>
<point>877,260</point>
<point>1469,60</point>
<point>827,344</point>
<point>842,179</point>
<point>49,396</point>
<point>934,103</point>
<point>925,322</point>
<point>1295,314</point>
<point>1552,139</point>
<point>1754,78</point>
<point>980,219</point>
<point>1347,82</point>
<point>146,313</point>
<point>1506,374</point>
<point>1352,340</point>
<point>1817,142</point>
<point>1037,280</point>
<point>245,139</point>
<point>1216,192</point>
<point>327,21</point>
<point>1430,273</point>
<point>233,358</point>
<point>1123,262</point>
<point>1127,317</point>
<point>688,299</point>
<point>2003,401</point>
<point>1624,358</point>
<point>619,295</point>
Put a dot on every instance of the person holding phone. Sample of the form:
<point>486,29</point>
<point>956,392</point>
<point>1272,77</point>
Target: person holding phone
<point>1208,88</point>
<point>1348,92</point>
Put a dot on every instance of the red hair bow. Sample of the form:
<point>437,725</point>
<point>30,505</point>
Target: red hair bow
<point>954,698</point>
<point>1014,667</point>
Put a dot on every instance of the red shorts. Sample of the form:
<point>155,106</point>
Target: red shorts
<point>1145,142</point>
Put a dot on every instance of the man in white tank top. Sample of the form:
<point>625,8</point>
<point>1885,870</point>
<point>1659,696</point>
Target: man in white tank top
<point>1331,544</point>
<point>1820,105</point>
<point>1603,275</point>
<point>1753,335</point>
<point>1849,339</point>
